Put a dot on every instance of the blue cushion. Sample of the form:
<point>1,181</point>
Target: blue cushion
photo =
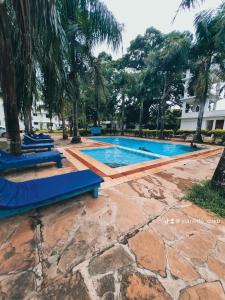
<point>35,157</point>
<point>9,161</point>
<point>40,136</point>
<point>33,140</point>
<point>32,192</point>
<point>37,146</point>
<point>96,130</point>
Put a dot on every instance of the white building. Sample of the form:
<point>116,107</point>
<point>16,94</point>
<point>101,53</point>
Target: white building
<point>40,118</point>
<point>214,113</point>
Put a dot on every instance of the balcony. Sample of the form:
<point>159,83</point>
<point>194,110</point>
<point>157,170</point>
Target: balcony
<point>207,114</point>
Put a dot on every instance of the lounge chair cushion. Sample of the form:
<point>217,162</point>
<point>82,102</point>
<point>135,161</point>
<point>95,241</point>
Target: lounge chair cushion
<point>96,130</point>
<point>8,160</point>
<point>32,192</point>
<point>37,146</point>
<point>33,140</point>
<point>40,136</point>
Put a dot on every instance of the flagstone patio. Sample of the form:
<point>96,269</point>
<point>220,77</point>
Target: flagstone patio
<point>139,240</point>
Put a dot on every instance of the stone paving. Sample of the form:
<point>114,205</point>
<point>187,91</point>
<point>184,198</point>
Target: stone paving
<point>138,241</point>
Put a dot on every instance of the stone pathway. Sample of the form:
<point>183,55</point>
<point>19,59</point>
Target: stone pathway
<point>138,241</point>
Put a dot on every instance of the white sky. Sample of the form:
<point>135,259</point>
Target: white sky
<point>138,15</point>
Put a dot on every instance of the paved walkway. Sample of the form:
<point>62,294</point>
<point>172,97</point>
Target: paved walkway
<point>138,241</point>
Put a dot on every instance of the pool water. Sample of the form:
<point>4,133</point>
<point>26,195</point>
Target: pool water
<point>115,157</point>
<point>161,148</point>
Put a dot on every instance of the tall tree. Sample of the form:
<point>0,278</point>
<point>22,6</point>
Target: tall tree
<point>8,81</point>
<point>165,66</point>
<point>204,52</point>
<point>215,20</point>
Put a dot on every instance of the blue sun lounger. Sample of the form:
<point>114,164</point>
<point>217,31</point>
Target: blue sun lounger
<point>39,136</point>
<point>48,146</point>
<point>32,140</point>
<point>9,161</point>
<point>16,198</point>
<point>96,130</point>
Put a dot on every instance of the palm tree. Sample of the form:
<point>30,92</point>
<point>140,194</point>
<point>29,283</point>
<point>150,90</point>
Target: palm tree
<point>8,81</point>
<point>166,65</point>
<point>90,25</point>
<point>54,37</point>
<point>16,35</point>
<point>204,52</point>
<point>214,38</point>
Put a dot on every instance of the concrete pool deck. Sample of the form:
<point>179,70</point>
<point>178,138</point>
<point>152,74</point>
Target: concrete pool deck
<point>139,240</point>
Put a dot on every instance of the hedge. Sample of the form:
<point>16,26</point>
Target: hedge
<point>220,133</point>
<point>186,131</point>
<point>149,133</point>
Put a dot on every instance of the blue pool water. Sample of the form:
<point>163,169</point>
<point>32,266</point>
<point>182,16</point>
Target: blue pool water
<point>117,157</point>
<point>165,149</point>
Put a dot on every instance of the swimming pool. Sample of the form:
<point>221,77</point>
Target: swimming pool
<point>161,148</point>
<point>115,157</point>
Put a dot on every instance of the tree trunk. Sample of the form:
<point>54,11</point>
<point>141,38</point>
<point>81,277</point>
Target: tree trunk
<point>162,110</point>
<point>141,116</point>
<point>30,121</point>
<point>71,125</point>
<point>203,98</point>
<point>26,123</point>
<point>8,83</point>
<point>76,136</point>
<point>218,180</point>
<point>27,120</point>
<point>158,115</point>
<point>198,134</point>
<point>122,115</point>
<point>76,95</point>
<point>65,135</point>
<point>97,108</point>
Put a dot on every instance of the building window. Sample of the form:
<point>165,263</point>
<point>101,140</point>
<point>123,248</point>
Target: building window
<point>35,114</point>
<point>47,116</point>
<point>209,124</point>
<point>35,123</point>
<point>219,124</point>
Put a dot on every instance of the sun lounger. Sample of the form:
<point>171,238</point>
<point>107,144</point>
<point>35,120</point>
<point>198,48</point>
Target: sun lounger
<point>96,130</point>
<point>37,146</point>
<point>16,198</point>
<point>39,135</point>
<point>32,140</point>
<point>9,161</point>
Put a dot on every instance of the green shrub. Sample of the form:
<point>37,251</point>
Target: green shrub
<point>149,133</point>
<point>84,132</point>
<point>109,131</point>
<point>220,133</point>
<point>3,145</point>
<point>184,131</point>
<point>187,131</point>
<point>42,131</point>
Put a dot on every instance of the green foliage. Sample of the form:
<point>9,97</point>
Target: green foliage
<point>206,196</point>
<point>149,133</point>
<point>3,145</point>
<point>186,131</point>
<point>217,133</point>
<point>52,42</point>
<point>85,132</point>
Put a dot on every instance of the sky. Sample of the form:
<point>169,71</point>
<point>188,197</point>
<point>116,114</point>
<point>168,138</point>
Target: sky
<point>138,15</point>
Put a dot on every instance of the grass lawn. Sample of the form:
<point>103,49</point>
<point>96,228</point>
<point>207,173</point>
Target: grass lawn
<point>206,196</point>
<point>3,145</point>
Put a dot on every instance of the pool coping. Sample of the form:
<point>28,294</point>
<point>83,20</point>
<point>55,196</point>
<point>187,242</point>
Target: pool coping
<point>113,173</point>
